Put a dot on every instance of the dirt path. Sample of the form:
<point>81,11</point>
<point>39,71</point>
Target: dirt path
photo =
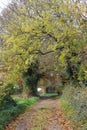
<point>45,115</point>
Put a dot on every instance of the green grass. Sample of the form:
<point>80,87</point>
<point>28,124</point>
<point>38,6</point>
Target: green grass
<point>49,95</point>
<point>12,112</point>
<point>70,113</point>
<point>69,110</point>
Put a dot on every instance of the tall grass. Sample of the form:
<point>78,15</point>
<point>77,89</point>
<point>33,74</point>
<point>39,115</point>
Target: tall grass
<point>74,103</point>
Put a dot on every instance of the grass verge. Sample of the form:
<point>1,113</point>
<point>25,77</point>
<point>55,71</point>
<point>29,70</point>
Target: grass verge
<point>69,111</point>
<point>8,114</point>
<point>49,95</point>
<point>71,115</point>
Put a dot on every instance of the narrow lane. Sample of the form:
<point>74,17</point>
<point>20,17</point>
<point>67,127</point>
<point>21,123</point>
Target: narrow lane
<point>45,115</point>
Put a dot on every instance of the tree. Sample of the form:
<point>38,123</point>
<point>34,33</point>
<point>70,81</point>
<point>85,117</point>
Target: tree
<point>32,29</point>
<point>31,77</point>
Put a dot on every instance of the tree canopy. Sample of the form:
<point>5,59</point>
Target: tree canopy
<point>50,28</point>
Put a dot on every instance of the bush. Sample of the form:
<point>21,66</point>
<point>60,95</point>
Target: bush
<point>77,98</point>
<point>11,112</point>
<point>60,89</point>
<point>9,88</point>
<point>5,98</point>
<point>7,102</point>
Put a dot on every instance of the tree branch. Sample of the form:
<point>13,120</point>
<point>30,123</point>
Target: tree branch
<point>45,53</point>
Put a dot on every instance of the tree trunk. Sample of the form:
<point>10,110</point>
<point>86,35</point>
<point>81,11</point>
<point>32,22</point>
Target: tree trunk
<point>34,91</point>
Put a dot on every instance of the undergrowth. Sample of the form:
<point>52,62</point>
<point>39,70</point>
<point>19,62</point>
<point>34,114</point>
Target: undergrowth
<point>74,104</point>
<point>11,112</point>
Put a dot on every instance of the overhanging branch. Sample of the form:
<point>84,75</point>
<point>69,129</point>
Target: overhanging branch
<point>45,53</point>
